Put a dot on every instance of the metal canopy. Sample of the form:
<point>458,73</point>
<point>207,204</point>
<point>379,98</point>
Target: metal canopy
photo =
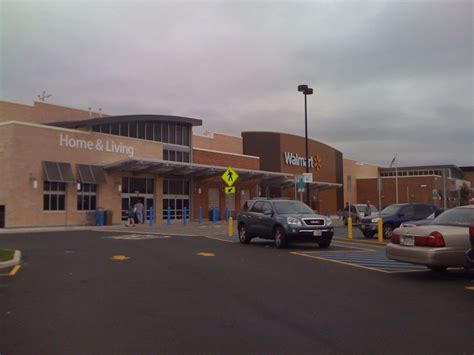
<point>199,171</point>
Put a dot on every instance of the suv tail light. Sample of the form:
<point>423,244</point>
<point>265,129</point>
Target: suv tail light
<point>395,239</point>
<point>435,239</point>
<point>471,233</point>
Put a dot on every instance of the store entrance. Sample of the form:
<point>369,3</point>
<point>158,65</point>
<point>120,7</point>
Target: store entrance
<point>136,189</point>
<point>129,200</point>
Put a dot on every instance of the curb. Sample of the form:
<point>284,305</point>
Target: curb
<point>15,261</point>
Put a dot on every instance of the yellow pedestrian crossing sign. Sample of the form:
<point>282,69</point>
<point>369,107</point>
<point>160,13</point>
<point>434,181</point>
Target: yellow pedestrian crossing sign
<point>230,176</point>
<point>229,190</point>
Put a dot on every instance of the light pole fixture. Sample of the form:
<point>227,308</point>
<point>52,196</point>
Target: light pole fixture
<point>306,91</point>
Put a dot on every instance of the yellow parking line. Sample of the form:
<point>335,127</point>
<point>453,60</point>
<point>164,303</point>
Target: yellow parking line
<point>470,288</point>
<point>13,271</point>
<point>220,240</point>
<point>342,262</point>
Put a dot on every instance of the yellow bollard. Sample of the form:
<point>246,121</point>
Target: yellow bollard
<point>231,227</point>
<point>380,229</point>
<point>349,228</point>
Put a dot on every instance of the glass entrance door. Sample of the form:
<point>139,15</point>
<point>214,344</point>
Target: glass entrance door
<point>176,197</point>
<point>176,205</point>
<point>127,201</point>
<point>136,189</point>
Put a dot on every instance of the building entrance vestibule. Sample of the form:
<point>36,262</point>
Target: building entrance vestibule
<point>136,190</point>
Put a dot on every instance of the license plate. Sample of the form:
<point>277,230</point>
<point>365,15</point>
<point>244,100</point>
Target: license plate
<point>408,241</point>
<point>317,233</point>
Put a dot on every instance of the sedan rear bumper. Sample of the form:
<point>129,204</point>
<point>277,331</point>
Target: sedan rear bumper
<point>426,255</point>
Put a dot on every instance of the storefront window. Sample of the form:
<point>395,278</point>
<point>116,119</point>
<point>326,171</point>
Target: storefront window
<point>124,129</point>
<point>132,130</point>
<point>54,196</point>
<point>164,133</point>
<point>141,130</point>
<point>157,131</point>
<point>172,137</point>
<point>86,197</point>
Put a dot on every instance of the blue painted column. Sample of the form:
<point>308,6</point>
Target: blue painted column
<point>200,215</point>
<point>185,216</point>
<point>168,217</point>
<point>151,217</point>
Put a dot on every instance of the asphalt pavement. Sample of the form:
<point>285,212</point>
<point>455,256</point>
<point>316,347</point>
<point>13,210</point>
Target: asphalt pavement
<point>133,292</point>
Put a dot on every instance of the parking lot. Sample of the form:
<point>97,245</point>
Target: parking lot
<point>141,291</point>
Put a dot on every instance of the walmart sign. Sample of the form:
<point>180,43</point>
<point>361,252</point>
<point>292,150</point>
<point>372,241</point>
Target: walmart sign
<point>294,159</point>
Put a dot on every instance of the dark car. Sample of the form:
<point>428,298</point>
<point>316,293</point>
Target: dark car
<point>426,221</point>
<point>394,215</point>
<point>283,221</point>
<point>470,252</point>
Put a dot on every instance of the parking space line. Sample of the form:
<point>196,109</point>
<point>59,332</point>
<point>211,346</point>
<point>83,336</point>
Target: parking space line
<point>340,262</point>
<point>470,288</point>
<point>369,259</point>
<point>13,271</point>
<point>219,239</point>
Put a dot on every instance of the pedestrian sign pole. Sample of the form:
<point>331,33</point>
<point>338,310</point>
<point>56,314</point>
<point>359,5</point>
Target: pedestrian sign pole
<point>230,177</point>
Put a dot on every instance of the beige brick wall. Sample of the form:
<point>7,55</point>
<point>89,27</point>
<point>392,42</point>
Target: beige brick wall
<point>42,112</point>
<point>23,147</point>
<point>357,171</point>
<point>219,142</point>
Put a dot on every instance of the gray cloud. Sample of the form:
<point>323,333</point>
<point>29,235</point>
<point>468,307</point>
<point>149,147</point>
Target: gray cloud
<point>389,76</point>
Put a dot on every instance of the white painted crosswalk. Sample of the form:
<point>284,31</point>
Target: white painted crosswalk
<point>137,237</point>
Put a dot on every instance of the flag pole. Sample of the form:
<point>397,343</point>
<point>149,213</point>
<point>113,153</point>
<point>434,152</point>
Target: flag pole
<point>396,180</point>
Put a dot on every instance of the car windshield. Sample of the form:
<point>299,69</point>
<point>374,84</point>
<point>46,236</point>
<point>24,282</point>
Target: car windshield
<point>360,208</point>
<point>390,210</point>
<point>373,208</point>
<point>292,207</point>
<point>462,217</point>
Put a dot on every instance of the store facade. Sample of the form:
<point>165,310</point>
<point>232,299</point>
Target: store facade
<point>61,172</point>
<point>286,153</point>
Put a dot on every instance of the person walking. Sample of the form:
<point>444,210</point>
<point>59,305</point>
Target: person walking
<point>131,217</point>
<point>140,210</point>
<point>368,209</point>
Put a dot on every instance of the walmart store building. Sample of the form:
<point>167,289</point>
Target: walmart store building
<point>60,164</point>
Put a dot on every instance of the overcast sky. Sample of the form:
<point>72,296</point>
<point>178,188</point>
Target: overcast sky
<point>389,76</point>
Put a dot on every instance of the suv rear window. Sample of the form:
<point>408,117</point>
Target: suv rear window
<point>423,210</point>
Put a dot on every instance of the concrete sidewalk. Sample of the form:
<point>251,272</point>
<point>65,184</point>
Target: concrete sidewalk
<point>207,228</point>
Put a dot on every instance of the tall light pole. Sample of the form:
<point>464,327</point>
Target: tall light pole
<point>306,91</point>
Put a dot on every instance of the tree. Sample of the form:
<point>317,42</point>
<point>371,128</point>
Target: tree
<point>464,195</point>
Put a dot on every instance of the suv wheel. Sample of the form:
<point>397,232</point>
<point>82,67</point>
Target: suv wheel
<point>387,230</point>
<point>280,238</point>
<point>243,236</point>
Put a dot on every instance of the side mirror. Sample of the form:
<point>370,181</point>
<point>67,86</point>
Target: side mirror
<point>267,213</point>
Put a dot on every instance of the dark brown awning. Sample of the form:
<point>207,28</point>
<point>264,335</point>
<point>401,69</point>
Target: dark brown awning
<point>58,172</point>
<point>91,174</point>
